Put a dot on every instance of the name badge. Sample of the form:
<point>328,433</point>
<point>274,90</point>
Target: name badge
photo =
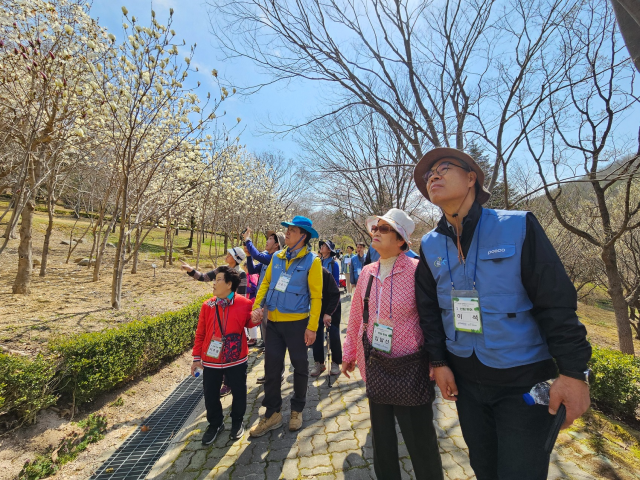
<point>382,335</point>
<point>283,282</point>
<point>358,271</point>
<point>215,348</point>
<point>466,311</point>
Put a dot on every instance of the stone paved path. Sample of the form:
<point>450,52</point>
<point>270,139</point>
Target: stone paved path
<point>333,443</point>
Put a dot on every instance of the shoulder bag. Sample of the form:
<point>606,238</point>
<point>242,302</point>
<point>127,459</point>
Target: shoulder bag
<point>395,381</point>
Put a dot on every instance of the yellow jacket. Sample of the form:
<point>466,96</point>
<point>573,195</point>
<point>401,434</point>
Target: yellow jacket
<point>315,290</point>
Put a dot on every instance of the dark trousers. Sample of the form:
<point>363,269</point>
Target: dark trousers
<point>334,339</point>
<point>283,336</point>
<point>236,379</point>
<point>505,436</point>
<point>416,425</point>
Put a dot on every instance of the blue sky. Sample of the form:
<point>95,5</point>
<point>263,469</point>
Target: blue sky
<point>291,102</point>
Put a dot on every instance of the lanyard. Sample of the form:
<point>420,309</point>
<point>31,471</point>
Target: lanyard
<point>225,320</point>
<point>379,294</point>
<point>475,270</point>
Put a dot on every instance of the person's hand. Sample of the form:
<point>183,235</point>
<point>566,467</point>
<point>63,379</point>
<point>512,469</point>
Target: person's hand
<point>247,234</point>
<point>327,320</point>
<point>446,383</point>
<point>195,366</point>
<point>573,393</point>
<point>256,316</point>
<point>185,266</point>
<point>347,367</point>
<point>309,337</point>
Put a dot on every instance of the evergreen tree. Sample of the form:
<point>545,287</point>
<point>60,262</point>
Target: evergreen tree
<point>497,194</point>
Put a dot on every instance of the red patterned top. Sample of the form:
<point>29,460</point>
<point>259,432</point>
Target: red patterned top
<point>407,335</point>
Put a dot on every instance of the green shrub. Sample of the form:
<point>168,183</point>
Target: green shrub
<point>94,363</point>
<point>617,385</point>
<point>26,386</point>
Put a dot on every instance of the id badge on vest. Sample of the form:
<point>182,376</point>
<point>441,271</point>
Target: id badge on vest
<point>215,347</point>
<point>466,311</point>
<point>283,282</point>
<point>382,337</point>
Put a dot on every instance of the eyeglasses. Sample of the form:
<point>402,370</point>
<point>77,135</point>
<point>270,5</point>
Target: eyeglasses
<point>441,170</point>
<point>382,229</point>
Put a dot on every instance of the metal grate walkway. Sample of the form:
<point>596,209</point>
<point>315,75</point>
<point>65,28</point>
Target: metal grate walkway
<point>137,455</point>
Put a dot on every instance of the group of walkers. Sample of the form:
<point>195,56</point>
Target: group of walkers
<point>485,311</point>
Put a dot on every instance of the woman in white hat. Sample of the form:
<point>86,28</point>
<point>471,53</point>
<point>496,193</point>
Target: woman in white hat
<point>385,340</point>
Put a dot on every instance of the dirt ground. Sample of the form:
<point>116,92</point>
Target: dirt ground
<point>66,301</point>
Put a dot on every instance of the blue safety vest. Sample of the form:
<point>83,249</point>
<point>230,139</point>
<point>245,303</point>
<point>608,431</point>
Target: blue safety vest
<point>510,335</point>
<point>356,265</point>
<point>296,298</point>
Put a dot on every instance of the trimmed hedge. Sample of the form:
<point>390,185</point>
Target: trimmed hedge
<point>26,386</point>
<point>94,363</point>
<point>86,365</point>
<point>617,385</point>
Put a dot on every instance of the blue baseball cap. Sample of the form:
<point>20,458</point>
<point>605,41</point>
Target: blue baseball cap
<point>301,222</point>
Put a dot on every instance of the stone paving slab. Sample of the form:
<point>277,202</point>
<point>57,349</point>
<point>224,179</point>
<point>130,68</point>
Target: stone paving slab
<point>334,442</point>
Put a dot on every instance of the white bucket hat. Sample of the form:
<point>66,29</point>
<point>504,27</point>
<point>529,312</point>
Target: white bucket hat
<point>398,219</point>
<point>237,253</point>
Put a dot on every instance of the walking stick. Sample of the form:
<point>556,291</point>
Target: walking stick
<point>329,353</point>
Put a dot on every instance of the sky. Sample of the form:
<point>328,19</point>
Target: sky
<point>291,102</point>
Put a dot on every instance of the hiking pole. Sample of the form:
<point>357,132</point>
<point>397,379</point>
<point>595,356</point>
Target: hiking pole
<point>329,353</point>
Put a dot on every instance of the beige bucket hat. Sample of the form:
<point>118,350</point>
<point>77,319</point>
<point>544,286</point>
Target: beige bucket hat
<point>430,158</point>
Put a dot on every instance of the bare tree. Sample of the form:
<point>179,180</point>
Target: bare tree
<point>357,168</point>
<point>436,74</point>
<point>592,97</point>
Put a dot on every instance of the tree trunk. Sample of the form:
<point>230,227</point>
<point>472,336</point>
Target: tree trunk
<point>118,264</point>
<point>101,247</point>
<point>226,243</point>
<point>22,283</point>
<point>47,239</point>
<point>134,267</point>
<point>171,246</point>
<point>620,307</point>
<point>193,226</point>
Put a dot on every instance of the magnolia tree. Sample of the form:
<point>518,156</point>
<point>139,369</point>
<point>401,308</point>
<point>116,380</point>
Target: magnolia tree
<point>46,54</point>
<point>150,116</point>
<point>240,191</point>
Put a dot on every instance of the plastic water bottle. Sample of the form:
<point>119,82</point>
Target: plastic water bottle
<point>539,394</point>
<point>197,373</point>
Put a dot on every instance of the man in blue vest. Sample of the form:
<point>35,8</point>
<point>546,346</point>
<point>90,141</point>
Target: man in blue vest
<point>372,255</point>
<point>328,259</point>
<point>357,263</point>
<point>292,293</point>
<point>498,313</point>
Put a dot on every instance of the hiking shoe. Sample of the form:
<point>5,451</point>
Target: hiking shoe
<point>317,369</point>
<point>225,390</point>
<point>210,435</point>
<point>335,369</point>
<point>266,424</point>
<point>260,380</point>
<point>295,422</point>
<point>237,431</point>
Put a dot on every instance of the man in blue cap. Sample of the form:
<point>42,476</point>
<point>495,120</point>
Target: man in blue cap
<point>292,293</point>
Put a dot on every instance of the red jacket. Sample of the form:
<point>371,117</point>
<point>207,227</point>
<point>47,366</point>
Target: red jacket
<point>234,319</point>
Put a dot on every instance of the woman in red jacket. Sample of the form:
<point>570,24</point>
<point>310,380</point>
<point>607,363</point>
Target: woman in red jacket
<point>220,348</point>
